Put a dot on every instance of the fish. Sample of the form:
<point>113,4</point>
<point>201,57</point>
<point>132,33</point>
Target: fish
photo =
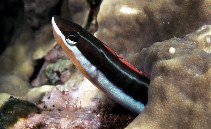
<point>102,66</point>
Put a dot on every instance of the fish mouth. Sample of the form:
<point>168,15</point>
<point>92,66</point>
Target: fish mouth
<point>64,26</point>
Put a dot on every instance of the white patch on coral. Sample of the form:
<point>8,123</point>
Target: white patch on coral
<point>208,38</point>
<point>172,50</point>
<point>85,94</point>
<point>128,10</point>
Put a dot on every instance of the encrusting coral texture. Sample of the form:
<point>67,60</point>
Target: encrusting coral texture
<point>180,90</point>
<point>129,26</point>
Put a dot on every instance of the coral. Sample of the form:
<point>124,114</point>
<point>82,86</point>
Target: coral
<point>72,105</point>
<point>43,42</point>
<point>75,10</point>
<point>21,61</point>
<point>80,119</point>
<point>14,85</point>
<point>76,104</point>
<point>38,13</point>
<point>34,94</point>
<point>4,97</point>
<point>180,91</point>
<point>58,71</point>
<point>14,109</point>
<point>123,26</point>
<point>55,54</point>
<point>129,26</point>
<point>78,92</point>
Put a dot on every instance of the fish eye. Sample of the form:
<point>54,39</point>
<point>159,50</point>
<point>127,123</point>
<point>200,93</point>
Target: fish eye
<point>72,38</point>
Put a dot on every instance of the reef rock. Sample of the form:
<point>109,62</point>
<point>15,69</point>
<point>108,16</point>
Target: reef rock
<point>180,90</point>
